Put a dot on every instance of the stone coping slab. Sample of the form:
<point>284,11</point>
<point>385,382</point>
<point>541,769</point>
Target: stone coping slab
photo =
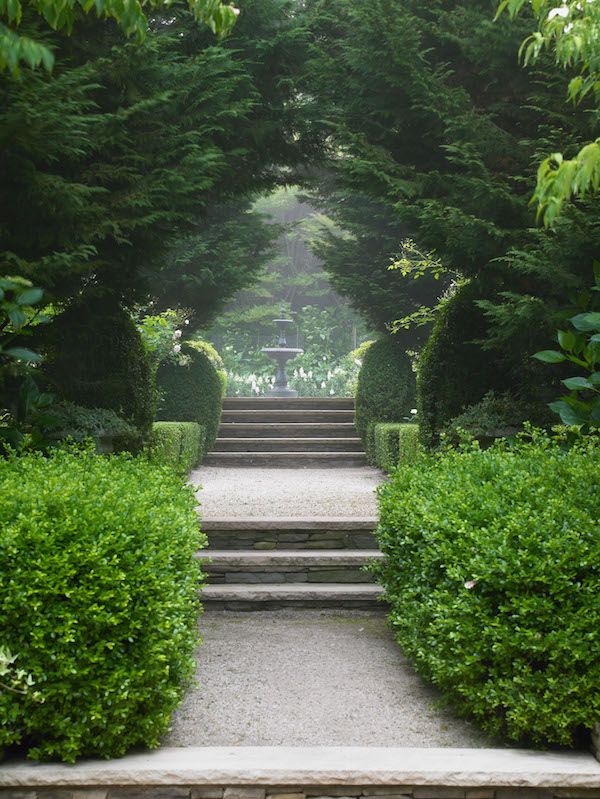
<point>317,766</point>
<point>280,524</point>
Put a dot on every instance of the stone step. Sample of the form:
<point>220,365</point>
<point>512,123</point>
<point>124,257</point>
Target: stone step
<point>279,416</point>
<point>281,444</point>
<point>288,403</point>
<point>288,566</point>
<point>290,595</point>
<point>287,534</point>
<point>286,460</point>
<point>287,430</point>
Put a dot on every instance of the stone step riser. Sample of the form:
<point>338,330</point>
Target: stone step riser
<point>298,430</point>
<point>266,540</point>
<point>292,604</point>
<point>287,460</point>
<point>288,445</point>
<point>287,416</point>
<point>301,575</point>
<point>299,403</point>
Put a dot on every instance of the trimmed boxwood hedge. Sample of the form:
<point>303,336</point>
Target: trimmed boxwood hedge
<point>176,444</point>
<point>385,390</point>
<point>191,393</point>
<point>453,371</point>
<point>99,598</point>
<point>96,358</point>
<point>395,443</point>
<point>492,572</point>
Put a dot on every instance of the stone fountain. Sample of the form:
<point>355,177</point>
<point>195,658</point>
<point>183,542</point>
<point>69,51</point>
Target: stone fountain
<point>282,354</point>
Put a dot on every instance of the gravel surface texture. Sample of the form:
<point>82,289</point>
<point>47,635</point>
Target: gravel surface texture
<point>310,678</point>
<point>289,493</point>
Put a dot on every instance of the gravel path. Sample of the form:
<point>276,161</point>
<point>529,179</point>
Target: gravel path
<point>289,493</point>
<point>309,678</point>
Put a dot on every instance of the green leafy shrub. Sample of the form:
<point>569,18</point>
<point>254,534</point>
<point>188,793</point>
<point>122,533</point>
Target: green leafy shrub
<point>76,422</point>
<point>176,444</point>
<point>385,390</point>
<point>191,391</point>
<point>497,416</point>
<point>96,358</point>
<point>453,371</point>
<point>492,572</point>
<point>99,600</point>
<point>395,443</point>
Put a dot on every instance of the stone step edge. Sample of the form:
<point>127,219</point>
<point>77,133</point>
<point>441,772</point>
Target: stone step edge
<point>287,557</point>
<point>316,766</point>
<point>290,592</point>
<point>288,524</point>
<point>289,439</point>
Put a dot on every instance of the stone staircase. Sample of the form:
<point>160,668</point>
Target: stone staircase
<point>288,433</point>
<point>276,563</point>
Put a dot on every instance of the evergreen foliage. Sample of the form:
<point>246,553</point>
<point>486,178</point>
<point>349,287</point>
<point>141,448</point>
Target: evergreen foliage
<point>191,392</point>
<point>395,443</point>
<point>95,358</point>
<point>386,389</point>
<point>102,602</point>
<point>176,444</point>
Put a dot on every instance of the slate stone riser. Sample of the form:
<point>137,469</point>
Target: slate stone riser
<point>300,604</point>
<point>272,539</point>
<point>282,444</point>
<point>300,575</point>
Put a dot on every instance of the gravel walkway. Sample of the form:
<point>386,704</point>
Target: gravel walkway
<point>309,678</point>
<point>289,493</point>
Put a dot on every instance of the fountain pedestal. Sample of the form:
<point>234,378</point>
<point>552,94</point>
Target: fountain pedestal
<point>281,354</point>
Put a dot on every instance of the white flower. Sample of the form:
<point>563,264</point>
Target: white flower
<point>310,374</point>
<point>358,362</point>
<point>177,348</point>
<point>331,391</point>
<point>560,11</point>
<point>329,375</point>
<point>235,10</point>
<point>470,584</point>
<point>323,384</point>
<point>187,321</point>
<point>177,334</point>
<point>413,411</point>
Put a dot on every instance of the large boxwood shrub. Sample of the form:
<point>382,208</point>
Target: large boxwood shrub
<point>191,392</point>
<point>385,390</point>
<point>96,358</point>
<point>492,572</point>
<point>176,444</point>
<point>98,591</point>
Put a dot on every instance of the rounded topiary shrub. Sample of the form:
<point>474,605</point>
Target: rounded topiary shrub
<point>99,601</point>
<point>385,390</point>
<point>492,572</point>
<point>453,371</point>
<point>96,359</point>
<point>191,391</point>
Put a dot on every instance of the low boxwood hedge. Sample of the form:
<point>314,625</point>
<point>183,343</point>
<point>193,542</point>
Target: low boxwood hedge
<point>394,444</point>
<point>176,444</point>
<point>99,601</point>
<point>492,572</point>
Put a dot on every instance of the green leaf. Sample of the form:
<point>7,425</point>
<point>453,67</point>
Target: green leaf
<point>23,354</point>
<point>577,383</point>
<point>595,379</point>
<point>566,339</point>
<point>30,296</point>
<point>568,415</point>
<point>586,322</point>
<point>550,356</point>
<point>17,317</point>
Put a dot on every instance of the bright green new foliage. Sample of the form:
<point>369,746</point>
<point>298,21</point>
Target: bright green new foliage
<point>395,443</point>
<point>99,601</point>
<point>492,572</point>
<point>176,444</point>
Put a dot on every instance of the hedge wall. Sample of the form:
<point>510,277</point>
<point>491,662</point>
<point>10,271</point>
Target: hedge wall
<point>102,602</point>
<point>394,444</point>
<point>385,390</point>
<point>191,393</point>
<point>96,359</point>
<point>492,572</point>
<point>176,444</point>
<point>453,371</point>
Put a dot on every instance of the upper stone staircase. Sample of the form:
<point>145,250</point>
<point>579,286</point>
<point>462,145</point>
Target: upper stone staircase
<point>274,432</point>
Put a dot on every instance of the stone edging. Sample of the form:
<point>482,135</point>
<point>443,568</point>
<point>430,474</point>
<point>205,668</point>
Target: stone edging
<point>322,766</point>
